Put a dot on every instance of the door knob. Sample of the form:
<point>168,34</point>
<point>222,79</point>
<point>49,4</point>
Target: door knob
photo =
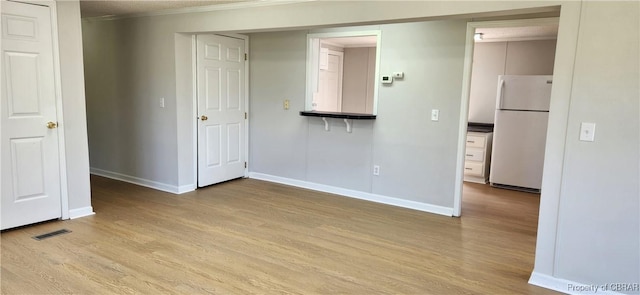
<point>52,125</point>
<point>204,118</point>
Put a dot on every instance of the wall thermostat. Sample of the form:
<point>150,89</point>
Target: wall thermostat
<point>387,79</point>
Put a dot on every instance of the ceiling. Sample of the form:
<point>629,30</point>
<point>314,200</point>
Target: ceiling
<point>110,8</point>
<point>519,33</point>
<point>98,8</point>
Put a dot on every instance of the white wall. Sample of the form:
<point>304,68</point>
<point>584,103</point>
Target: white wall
<point>600,205</point>
<point>184,77</point>
<point>132,60</point>
<point>591,232</point>
<point>73,108</point>
<point>530,57</point>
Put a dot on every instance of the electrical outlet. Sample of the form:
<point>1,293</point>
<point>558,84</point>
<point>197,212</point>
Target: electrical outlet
<point>286,104</point>
<point>376,170</point>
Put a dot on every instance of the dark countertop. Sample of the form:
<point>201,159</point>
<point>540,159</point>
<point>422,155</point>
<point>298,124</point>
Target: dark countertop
<point>338,115</point>
<point>479,127</point>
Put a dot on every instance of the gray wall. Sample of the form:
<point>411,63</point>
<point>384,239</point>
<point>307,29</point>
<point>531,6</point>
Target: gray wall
<point>129,133</point>
<point>491,59</point>
<point>278,138</point>
<point>73,107</point>
<point>133,62</point>
<point>129,61</point>
<point>600,207</point>
<point>287,145</point>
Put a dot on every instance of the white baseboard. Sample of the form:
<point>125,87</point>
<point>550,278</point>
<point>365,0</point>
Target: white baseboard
<point>569,287</point>
<point>355,194</point>
<point>81,212</point>
<point>143,182</point>
<point>186,188</point>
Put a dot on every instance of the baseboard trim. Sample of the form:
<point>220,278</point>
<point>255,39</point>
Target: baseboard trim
<point>81,212</point>
<point>139,181</point>
<point>569,287</point>
<point>355,194</point>
<point>186,188</point>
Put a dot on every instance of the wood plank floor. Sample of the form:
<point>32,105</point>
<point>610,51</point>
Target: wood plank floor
<point>252,237</point>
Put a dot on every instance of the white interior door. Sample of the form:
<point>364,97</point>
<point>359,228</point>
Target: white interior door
<point>221,108</point>
<point>30,156</point>
<point>329,98</point>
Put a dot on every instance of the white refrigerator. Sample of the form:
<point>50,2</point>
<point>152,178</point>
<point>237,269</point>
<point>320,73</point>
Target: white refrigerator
<point>520,131</point>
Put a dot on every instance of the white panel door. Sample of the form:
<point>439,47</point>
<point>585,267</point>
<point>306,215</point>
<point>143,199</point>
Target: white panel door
<point>329,98</point>
<point>30,158</point>
<point>221,108</point>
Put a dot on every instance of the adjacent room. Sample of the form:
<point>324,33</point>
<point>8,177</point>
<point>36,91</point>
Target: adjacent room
<point>509,97</point>
<point>418,147</point>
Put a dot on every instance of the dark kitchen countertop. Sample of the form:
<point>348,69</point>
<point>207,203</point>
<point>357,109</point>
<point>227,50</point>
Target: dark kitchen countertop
<point>479,127</point>
<point>338,115</point>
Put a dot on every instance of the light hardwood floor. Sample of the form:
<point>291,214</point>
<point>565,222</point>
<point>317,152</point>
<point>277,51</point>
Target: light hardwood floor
<point>248,236</point>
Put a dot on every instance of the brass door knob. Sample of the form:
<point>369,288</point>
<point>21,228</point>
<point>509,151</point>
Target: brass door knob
<point>52,125</point>
<point>204,118</point>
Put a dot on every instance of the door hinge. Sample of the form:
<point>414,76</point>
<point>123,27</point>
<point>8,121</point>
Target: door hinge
<point>246,56</point>
<point>245,115</point>
<point>245,164</point>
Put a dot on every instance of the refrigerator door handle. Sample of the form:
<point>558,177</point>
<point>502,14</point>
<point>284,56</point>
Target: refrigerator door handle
<point>499,97</point>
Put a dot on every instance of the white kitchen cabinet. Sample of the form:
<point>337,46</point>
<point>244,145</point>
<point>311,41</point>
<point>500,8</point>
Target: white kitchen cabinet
<point>477,156</point>
<point>490,59</point>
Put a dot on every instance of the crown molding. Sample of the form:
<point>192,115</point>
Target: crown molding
<point>516,39</point>
<point>197,9</point>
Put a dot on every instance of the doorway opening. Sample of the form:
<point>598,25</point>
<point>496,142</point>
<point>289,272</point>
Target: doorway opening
<point>508,80</point>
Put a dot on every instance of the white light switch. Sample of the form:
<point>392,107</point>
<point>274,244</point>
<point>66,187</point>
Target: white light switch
<point>435,115</point>
<point>162,102</point>
<point>587,131</point>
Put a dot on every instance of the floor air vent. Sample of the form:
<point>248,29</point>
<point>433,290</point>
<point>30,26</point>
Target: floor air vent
<point>52,234</point>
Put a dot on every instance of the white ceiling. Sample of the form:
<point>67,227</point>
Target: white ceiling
<point>97,8</point>
<point>518,33</point>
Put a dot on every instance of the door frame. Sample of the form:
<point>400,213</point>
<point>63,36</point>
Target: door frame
<point>194,109</point>
<point>466,88</point>
<point>62,160</point>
